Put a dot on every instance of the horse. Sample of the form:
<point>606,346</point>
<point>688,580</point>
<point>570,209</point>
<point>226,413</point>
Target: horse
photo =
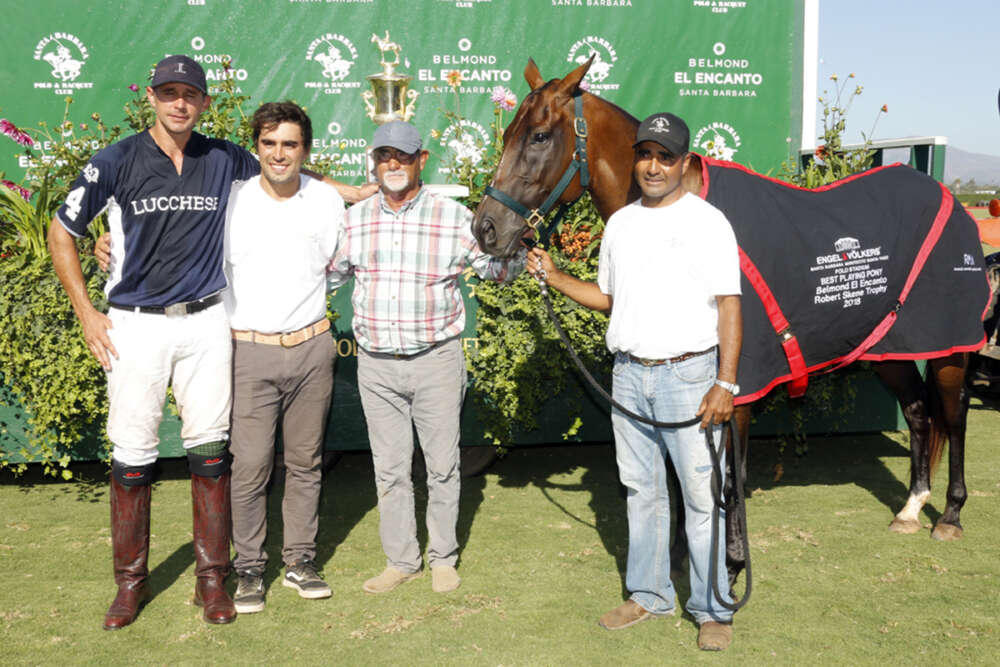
<point>559,128</point>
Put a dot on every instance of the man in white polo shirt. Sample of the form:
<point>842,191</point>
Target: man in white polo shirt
<point>281,232</point>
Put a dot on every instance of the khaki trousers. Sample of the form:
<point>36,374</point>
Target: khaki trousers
<point>292,385</point>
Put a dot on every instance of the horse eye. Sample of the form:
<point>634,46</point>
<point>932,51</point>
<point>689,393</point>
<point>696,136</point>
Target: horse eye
<point>539,138</point>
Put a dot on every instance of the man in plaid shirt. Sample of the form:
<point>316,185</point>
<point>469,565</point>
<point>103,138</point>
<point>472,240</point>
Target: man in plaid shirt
<point>406,247</point>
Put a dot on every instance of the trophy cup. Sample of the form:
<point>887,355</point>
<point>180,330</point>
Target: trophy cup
<point>387,100</point>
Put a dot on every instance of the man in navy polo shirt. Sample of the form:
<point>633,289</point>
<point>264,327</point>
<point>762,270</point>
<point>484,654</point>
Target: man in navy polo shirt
<point>165,191</point>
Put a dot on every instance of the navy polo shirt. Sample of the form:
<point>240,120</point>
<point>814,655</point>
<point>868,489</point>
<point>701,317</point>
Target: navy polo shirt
<point>167,228</point>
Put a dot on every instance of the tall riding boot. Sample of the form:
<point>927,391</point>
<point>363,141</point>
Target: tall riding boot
<point>130,546</point>
<point>212,525</point>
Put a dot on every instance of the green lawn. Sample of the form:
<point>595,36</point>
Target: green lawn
<point>543,537</point>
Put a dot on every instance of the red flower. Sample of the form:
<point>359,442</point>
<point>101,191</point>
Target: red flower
<point>25,193</point>
<point>12,131</point>
<point>885,108</point>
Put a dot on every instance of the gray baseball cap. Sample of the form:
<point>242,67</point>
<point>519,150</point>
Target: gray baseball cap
<point>397,134</point>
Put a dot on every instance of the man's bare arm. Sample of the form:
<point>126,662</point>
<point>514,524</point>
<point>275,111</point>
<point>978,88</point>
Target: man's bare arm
<point>584,293</point>
<point>352,194</point>
<point>95,324</point>
<point>717,406</point>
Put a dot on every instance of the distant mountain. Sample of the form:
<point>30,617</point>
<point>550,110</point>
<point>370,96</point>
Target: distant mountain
<point>985,169</point>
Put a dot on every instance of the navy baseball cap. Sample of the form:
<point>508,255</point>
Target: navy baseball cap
<point>397,134</point>
<point>665,129</point>
<point>179,69</point>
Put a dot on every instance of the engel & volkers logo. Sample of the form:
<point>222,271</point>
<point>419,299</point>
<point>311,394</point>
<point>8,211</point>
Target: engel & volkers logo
<point>605,57</point>
<point>465,142</point>
<point>66,55</point>
<point>717,140</point>
<point>332,56</point>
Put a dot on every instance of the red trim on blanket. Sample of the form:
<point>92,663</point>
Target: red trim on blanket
<point>705,161</point>
<point>743,399</point>
<point>790,344</point>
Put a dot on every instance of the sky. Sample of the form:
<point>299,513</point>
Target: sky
<point>933,63</point>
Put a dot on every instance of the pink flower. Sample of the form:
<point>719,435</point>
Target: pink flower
<point>504,98</point>
<point>584,84</point>
<point>25,193</point>
<point>134,88</point>
<point>12,131</point>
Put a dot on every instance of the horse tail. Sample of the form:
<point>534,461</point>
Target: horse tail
<point>939,428</point>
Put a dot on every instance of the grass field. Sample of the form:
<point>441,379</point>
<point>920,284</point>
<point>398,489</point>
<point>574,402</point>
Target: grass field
<point>544,541</point>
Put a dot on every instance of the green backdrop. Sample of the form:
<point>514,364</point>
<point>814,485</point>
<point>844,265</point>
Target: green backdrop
<point>731,68</point>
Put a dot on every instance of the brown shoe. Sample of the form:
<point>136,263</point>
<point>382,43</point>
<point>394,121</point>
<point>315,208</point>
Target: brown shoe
<point>444,578</point>
<point>626,615</point>
<point>715,636</point>
<point>388,580</point>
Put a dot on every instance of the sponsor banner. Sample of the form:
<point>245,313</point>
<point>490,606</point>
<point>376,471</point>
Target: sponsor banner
<point>730,68</point>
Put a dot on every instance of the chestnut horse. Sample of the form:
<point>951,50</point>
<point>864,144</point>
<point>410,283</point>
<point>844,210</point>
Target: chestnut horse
<point>546,137</point>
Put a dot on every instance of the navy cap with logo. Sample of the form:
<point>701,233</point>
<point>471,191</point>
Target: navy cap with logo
<point>397,134</point>
<point>665,129</point>
<point>179,69</point>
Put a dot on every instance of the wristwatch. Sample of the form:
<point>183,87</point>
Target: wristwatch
<point>731,387</point>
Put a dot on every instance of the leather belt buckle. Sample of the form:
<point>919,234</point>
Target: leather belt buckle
<point>281,339</point>
<point>651,362</point>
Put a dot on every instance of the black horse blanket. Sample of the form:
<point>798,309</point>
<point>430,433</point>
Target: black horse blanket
<point>881,265</point>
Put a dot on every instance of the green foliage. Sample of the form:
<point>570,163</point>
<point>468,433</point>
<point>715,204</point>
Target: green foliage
<point>520,361</point>
<point>831,161</point>
<point>45,363</point>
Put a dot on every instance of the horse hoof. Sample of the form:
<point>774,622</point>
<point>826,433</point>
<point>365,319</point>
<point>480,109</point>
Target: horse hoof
<point>946,532</point>
<point>904,526</point>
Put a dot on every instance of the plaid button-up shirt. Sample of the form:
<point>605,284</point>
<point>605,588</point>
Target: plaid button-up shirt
<point>406,266</point>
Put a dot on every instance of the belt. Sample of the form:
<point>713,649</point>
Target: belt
<point>174,309</point>
<point>290,339</point>
<point>672,360</point>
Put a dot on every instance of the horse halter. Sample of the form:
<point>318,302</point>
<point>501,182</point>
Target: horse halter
<point>535,217</point>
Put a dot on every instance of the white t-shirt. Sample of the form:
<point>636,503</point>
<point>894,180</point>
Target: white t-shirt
<point>276,253</point>
<point>663,268</point>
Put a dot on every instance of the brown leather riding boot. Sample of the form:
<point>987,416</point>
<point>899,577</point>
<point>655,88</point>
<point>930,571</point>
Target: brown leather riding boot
<point>130,547</point>
<point>212,523</point>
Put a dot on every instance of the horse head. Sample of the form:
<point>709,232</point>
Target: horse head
<point>538,147</point>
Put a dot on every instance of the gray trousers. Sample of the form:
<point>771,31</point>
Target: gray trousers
<point>398,393</point>
<point>293,385</point>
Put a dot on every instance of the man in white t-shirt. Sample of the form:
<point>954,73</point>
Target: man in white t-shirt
<point>669,275</point>
<point>281,231</point>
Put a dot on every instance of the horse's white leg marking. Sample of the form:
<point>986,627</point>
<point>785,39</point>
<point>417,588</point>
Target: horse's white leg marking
<point>907,521</point>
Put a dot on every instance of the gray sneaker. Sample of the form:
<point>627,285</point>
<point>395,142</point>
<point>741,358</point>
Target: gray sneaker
<point>249,598</point>
<point>303,577</point>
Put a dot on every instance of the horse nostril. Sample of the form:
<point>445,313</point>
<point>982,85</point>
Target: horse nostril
<point>488,232</point>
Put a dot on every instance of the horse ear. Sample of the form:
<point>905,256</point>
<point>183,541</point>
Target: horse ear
<point>571,82</point>
<point>532,75</point>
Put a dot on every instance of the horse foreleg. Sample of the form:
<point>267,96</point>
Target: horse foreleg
<point>736,556</point>
<point>949,378</point>
<point>903,379</point>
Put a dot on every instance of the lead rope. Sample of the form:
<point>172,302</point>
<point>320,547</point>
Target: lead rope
<point>718,488</point>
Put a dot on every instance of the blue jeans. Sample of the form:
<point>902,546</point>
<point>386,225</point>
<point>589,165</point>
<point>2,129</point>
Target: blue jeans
<point>669,392</point>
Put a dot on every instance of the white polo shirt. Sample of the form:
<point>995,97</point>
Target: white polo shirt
<point>276,253</point>
<point>663,268</point>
